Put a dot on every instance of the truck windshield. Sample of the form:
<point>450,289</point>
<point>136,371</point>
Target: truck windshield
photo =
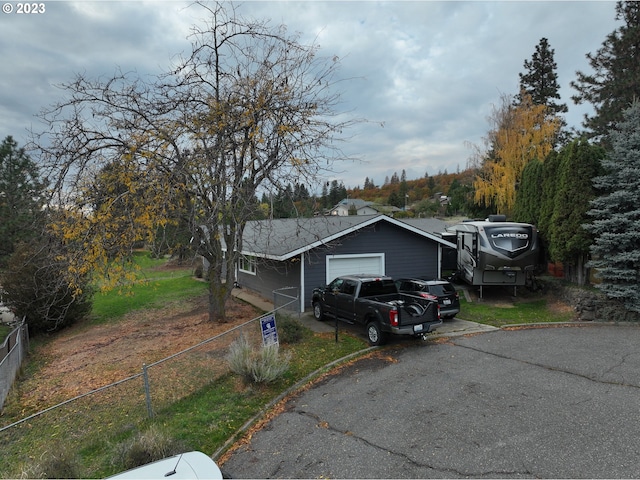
<point>378,287</point>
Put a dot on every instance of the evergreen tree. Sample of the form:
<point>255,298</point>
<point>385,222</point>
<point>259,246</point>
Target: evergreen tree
<point>540,80</point>
<point>616,215</point>
<point>615,82</point>
<point>325,196</point>
<point>528,198</point>
<point>283,206</point>
<point>300,192</point>
<point>549,190</point>
<point>368,184</point>
<point>21,193</point>
<point>570,242</point>
<point>337,192</point>
<point>431,183</point>
<point>457,197</point>
<point>404,189</point>
<point>395,200</point>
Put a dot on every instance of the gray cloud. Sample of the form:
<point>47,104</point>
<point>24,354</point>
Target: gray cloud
<point>429,70</point>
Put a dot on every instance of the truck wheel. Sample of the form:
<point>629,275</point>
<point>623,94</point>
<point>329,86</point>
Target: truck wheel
<point>374,334</point>
<point>318,314</point>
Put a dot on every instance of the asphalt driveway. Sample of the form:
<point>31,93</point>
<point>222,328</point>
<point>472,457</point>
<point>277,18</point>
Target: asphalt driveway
<point>538,403</point>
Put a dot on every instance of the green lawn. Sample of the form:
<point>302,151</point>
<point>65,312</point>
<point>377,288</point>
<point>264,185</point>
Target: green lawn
<point>153,288</point>
<point>147,294</point>
<point>4,332</point>
<point>513,312</point>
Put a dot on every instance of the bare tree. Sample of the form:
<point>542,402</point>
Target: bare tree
<point>249,109</point>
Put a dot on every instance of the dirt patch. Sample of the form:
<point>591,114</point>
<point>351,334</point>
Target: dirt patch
<point>559,306</point>
<point>81,359</point>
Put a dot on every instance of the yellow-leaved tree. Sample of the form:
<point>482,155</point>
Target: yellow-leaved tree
<point>115,210</point>
<point>520,133</point>
<point>250,109</point>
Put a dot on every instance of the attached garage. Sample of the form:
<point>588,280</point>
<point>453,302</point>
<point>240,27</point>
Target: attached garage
<point>338,265</point>
<point>304,253</point>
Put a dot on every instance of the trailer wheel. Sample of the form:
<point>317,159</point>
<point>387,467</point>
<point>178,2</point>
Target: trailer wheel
<point>318,313</point>
<point>375,335</point>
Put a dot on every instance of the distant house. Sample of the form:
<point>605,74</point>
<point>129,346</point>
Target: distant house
<point>361,207</point>
<point>305,253</point>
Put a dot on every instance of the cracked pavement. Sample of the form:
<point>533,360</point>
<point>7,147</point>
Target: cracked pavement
<point>556,402</point>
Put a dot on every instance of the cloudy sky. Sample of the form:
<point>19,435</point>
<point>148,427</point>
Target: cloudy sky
<point>431,71</point>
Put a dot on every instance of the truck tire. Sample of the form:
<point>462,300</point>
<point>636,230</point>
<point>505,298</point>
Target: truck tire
<point>375,335</point>
<point>318,313</point>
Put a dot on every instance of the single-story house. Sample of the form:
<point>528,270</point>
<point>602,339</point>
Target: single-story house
<point>304,253</point>
<point>361,207</point>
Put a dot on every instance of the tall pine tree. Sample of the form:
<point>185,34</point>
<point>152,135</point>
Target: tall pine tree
<point>615,82</point>
<point>21,193</point>
<point>541,80</point>
<point>616,215</point>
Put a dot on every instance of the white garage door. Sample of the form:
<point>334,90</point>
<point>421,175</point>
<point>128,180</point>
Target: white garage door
<point>338,265</point>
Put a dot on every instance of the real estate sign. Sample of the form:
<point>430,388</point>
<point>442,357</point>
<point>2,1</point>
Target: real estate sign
<point>269,331</point>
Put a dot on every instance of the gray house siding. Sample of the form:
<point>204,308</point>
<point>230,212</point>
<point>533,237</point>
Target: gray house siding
<point>406,254</point>
<point>315,270</point>
<point>271,275</point>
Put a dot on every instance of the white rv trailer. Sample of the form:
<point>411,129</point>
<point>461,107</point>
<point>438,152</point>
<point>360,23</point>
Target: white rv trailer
<point>494,251</point>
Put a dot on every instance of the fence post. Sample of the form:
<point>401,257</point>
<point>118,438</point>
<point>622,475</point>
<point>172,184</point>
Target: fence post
<point>275,303</point>
<point>147,392</point>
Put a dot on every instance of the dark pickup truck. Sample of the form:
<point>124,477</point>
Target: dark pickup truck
<point>374,301</point>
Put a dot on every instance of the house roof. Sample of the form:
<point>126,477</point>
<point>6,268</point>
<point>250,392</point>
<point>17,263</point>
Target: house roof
<point>359,205</point>
<point>281,239</point>
<point>385,208</point>
<point>353,201</point>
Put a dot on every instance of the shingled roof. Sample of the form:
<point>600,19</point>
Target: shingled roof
<point>281,239</point>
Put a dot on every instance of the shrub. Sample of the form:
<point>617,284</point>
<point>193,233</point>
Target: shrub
<point>58,464</point>
<point>290,330</point>
<point>37,287</point>
<point>146,447</point>
<point>263,366</point>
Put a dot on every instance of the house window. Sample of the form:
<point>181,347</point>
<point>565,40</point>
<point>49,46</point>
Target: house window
<point>248,264</point>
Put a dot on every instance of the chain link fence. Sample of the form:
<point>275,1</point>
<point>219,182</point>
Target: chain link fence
<point>114,409</point>
<point>286,300</point>
<point>12,353</point>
